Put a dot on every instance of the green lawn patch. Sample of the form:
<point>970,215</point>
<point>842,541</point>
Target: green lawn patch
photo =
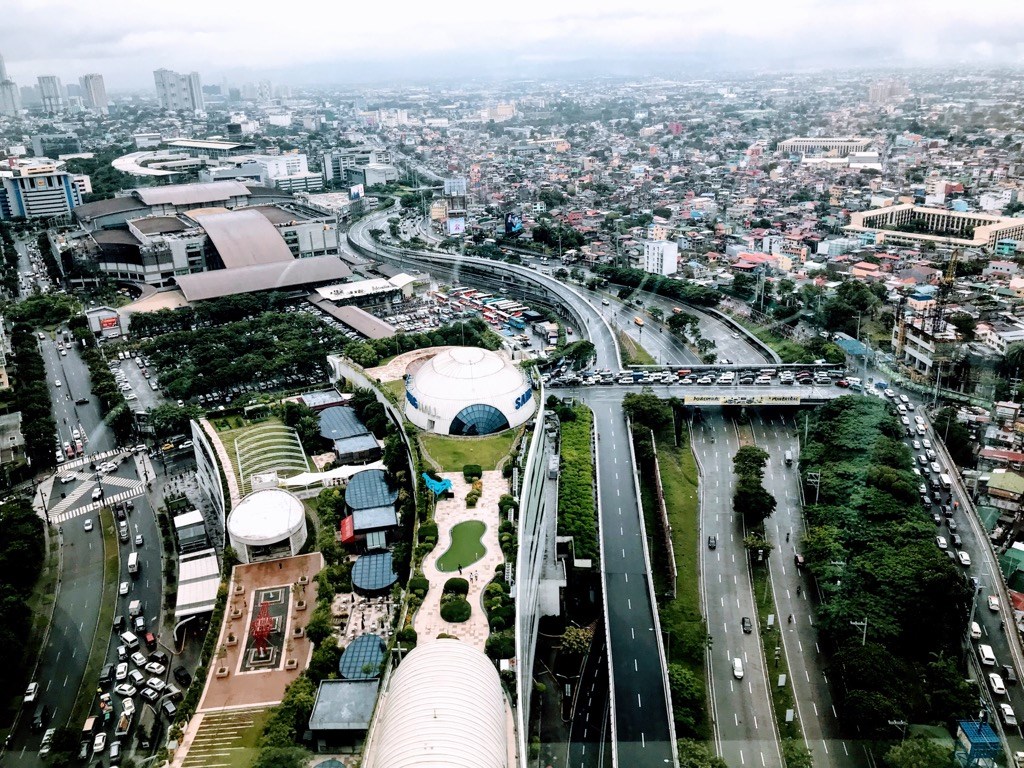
<point>40,603</point>
<point>100,634</point>
<point>467,546</point>
<point>631,352</point>
<point>453,453</point>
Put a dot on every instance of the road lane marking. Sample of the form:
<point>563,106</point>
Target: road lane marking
<point>635,667</point>
<point>639,703</point>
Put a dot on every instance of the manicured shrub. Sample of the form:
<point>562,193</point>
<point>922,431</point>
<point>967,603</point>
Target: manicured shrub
<point>419,585</point>
<point>472,472</point>
<point>456,586</point>
<point>456,609</point>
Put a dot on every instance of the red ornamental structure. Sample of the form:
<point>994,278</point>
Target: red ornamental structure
<point>261,628</point>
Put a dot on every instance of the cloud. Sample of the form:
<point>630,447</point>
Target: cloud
<point>353,40</point>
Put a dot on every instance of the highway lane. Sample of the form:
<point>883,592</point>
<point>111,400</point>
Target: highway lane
<point>744,722</point>
<point>588,730</point>
<point>640,717</point>
<point>808,667</point>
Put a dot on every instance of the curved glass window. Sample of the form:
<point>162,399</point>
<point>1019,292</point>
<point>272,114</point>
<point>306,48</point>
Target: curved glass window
<point>478,419</point>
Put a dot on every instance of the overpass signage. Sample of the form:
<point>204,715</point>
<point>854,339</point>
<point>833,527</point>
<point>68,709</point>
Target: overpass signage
<point>741,399</point>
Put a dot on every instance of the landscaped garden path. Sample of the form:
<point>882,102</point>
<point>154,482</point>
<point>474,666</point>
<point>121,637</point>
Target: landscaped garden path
<point>447,514</point>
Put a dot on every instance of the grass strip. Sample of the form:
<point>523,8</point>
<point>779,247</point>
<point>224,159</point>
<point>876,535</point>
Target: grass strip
<point>681,620</point>
<point>42,600</point>
<point>774,654</point>
<point>101,633</point>
<point>631,352</point>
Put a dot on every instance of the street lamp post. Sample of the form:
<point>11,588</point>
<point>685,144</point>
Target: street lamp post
<point>864,624</point>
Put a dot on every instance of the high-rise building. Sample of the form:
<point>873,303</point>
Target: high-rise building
<point>177,92</point>
<point>51,92</point>
<point>10,97</point>
<point>94,93</point>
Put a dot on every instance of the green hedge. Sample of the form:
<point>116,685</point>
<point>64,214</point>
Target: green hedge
<point>577,513</point>
<point>472,472</point>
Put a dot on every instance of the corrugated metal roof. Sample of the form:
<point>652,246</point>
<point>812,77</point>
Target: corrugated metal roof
<point>243,238</point>
<point>191,194</point>
<point>360,321</point>
<point>262,277</point>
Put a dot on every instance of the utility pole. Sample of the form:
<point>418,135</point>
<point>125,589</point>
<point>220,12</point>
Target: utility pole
<point>814,478</point>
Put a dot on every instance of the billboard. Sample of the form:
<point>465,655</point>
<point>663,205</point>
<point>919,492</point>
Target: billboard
<point>356,192</point>
<point>513,224</point>
<point>108,322</point>
<point>742,399</point>
<point>456,226</point>
<point>455,187</point>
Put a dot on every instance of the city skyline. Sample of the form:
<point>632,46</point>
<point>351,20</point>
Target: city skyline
<point>535,39</point>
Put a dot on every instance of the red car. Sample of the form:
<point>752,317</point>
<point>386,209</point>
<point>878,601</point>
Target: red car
<point>842,383</point>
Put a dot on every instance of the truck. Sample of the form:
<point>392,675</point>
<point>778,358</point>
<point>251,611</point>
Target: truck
<point>134,608</point>
<point>124,724</point>
<point>133,564</point>
<point>789,458</point>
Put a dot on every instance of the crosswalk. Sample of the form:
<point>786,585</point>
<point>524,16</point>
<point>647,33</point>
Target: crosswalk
<point>60,513</point>
<point>83,461</point>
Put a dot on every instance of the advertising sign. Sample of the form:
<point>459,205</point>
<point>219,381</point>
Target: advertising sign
<point>108,322</point>
<point>456,226</point>
<point>356,192</point>
<point>513,224</point>
<point>455,187</point>
<point>741,399</point>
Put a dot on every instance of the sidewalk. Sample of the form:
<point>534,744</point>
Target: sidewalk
<point>449,512</point>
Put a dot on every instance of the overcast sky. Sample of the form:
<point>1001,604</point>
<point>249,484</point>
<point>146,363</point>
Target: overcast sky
<point>337,41</point>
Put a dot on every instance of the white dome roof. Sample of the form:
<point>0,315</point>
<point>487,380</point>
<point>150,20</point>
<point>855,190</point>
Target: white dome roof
<point>464,376</point>
<point>444,707</point>
<point>468,374</point>
<point>266,517</point>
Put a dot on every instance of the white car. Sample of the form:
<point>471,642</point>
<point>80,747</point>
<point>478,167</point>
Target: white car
<point>1007,713</point>
<point>941,541</point>
<point>926,443</point>
<point>737,668</point>
<point>965,558</point>
<point>125,689</point>
<point>123,589</point>
<point>993,603</point>
<point>917,445</point>
<point>129,705</point>
<point>97,494</point>
<point>995,682</point>
<point>156,683</point>
<point>56,383</point>
<point>975,631</point>
<point>139,660</point>
<point>99,743</point>
<point>76,434</point>
<point>87,525</point>
<point>31,692</point>
<point>156,668</point>
<point>122,671</point>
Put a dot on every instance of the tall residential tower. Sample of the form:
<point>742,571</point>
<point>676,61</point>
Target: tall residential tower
<point>94,93</point>
<point>177,92</point>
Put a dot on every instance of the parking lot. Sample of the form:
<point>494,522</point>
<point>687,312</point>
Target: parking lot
<point>139,384</point>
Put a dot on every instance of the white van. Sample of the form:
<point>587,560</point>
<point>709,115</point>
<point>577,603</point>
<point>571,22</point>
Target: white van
<point>130,641</point>
<point>133,564</point>
<point>987,656</point>
<point>975,631</point>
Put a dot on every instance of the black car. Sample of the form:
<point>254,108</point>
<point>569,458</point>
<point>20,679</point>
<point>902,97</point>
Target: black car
<point>107,675</point>
<point>1009,675</point>
<point>747,624</point>
<point>956,540</point>
<point>183,677</point>
<point>82,401</point>
<point>119,622</point>
<point>712,542</point>
<point>158,656</point>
